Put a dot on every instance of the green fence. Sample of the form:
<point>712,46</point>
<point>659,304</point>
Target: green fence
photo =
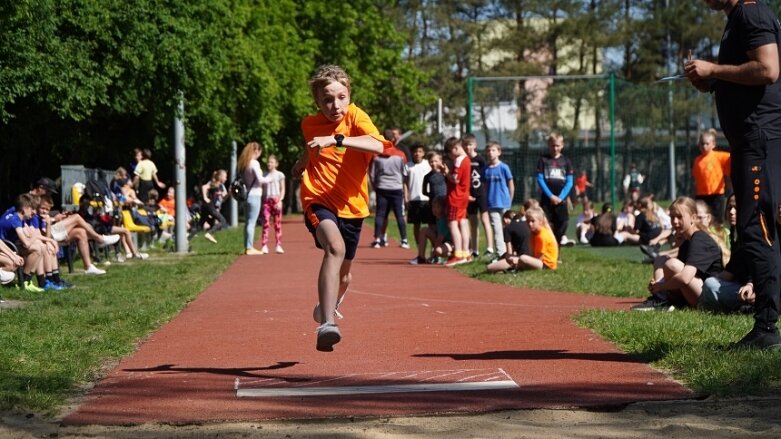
<point>608,124</point>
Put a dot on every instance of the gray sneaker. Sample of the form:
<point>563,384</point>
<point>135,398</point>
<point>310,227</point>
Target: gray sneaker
<point>327,336</point>
<point>653,303</point>
<point>316,312</point>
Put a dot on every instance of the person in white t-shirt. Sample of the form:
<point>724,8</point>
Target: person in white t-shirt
<point>418,209</point>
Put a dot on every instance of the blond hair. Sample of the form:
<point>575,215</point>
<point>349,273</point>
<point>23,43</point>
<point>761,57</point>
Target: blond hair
<point>247,154</point>
<point>325,75</point>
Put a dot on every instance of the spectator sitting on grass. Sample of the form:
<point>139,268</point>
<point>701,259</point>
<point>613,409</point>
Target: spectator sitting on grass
<point>544,248</point>
<point>650,228</point>
<point>583,227</point>
<point>730,291</point>
<point>678,281</point>
<point>517,236</point>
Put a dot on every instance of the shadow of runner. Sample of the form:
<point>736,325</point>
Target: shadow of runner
<point>537,354</point>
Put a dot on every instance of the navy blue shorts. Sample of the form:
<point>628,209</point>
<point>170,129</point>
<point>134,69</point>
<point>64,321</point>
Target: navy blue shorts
<point>350,228</point>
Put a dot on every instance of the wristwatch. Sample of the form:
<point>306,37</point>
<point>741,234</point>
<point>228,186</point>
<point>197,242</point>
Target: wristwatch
<point>339,138</point>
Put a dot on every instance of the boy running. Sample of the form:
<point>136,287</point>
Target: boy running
<point>340,140</point>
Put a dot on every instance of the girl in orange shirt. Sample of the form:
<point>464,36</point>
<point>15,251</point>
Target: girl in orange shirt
<point>545,251</point>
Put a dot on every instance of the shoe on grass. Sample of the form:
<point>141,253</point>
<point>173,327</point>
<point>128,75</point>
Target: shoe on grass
<point>453,261</point>
<point>209,237</point>
<point>328,335</point>
<point>52,286</point>
<point>759,338</point>
<point>93,270</point>
<point>653,303</point>
<point>31,287</point>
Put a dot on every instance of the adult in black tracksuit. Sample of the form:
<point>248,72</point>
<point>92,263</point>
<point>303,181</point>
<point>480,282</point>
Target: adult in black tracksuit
<point>748,99</point>
<point>555,177</point>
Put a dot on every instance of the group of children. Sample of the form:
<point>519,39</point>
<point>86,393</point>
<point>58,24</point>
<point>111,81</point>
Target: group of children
<point>32,238</point>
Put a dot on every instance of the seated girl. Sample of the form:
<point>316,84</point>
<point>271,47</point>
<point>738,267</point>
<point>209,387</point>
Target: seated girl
<point>678,281</point>
<point>518,238</point>
<point>545,250</point>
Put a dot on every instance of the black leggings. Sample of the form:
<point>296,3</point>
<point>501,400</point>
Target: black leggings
<point>212,215</point>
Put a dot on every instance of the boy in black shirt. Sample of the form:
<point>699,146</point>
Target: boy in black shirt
<point>555,178</point>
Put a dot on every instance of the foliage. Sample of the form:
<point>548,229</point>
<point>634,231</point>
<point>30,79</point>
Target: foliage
<point>84,82</point>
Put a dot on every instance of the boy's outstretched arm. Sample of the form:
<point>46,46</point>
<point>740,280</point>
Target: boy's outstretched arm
<point>363,143</point>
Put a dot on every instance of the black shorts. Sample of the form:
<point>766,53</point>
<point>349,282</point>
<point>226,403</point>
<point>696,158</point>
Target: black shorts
<point>419,212</point>
<point>480,205</point>
<point>349,228</point>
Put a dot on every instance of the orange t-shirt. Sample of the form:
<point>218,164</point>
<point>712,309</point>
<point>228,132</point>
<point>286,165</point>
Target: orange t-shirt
<point>709,170</point>
<point>169,205</point>
<point>580,183</point>
<point>336,177</point>
<point>544,247</point>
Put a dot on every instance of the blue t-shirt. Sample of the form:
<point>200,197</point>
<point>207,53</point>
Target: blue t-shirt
<point>8,225</point>
<point>37,222</point>
<point>497,189</point>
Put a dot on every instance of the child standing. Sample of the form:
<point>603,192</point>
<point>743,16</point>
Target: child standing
<point>435,182</point>
<point>554,176</point>
<point>340,140</point>
<point>458,183</point>
<point>419,210</point>
<point>477,211</point>
<point>500,190</point>
<point>581,187</point>
<point>272,207</point>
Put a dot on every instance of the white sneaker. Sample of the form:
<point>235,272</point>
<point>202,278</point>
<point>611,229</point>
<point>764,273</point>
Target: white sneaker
<point>279,249</point>
<point>583,240</point>
<point>264,249</point>
<point>110,239</point>
<point>565,242</point>
<point>94,270</point>
<point>6,277</point>
<point>141,256</point>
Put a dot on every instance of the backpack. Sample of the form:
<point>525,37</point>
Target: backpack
<point>238,189</point>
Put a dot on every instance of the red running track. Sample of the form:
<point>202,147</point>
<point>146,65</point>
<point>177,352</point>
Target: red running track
<point>405,327</point>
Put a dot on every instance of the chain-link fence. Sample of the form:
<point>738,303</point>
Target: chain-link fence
<point>520,112</point>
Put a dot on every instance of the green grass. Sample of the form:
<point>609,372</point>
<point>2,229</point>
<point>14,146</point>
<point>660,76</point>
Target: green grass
<point>691,345</point>
<point>60,341</point>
